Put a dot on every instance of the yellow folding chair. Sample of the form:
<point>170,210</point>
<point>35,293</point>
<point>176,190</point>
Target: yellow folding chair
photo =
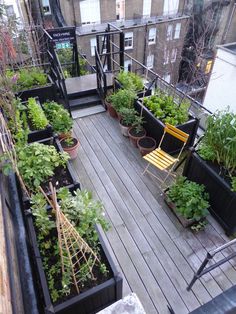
<point>162,160</point>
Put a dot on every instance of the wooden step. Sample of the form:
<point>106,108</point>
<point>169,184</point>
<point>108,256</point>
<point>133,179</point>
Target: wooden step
<point>84,112</point>
<point>85,101</point>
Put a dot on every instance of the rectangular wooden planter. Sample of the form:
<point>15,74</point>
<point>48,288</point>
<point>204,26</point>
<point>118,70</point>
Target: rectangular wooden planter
<point>44,93</point>
<point>222,199</point>
<point>155,129</point>
<point>143,93</point>
<point>90,301</point>
<point>185,222</point>
<point>24,200</point>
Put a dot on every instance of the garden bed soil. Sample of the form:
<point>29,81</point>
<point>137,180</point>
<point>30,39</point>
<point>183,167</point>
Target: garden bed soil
<point>135,136</point>
<point>184,221</point>
<point>92,298</point>
<point>65,145</point>
<point>222,199</point>
<point>155,129</point>
<point>146,145</point>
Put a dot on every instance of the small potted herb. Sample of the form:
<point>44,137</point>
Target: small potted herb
<point>188,200</point>
<point>123,98</point>
<point>59,118</point>
<point>137,131</point>
<point>70,145</point>
<point>128,117</point>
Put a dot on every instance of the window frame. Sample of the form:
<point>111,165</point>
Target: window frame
<point>150,60</point>
<point>127,39</point>
<point>152,39</point>
<point>177,31</point>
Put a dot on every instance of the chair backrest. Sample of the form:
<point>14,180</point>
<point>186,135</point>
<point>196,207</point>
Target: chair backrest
<point>172,130</point>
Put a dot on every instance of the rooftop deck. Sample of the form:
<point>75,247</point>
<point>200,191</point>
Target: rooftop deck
<point>156,255</point>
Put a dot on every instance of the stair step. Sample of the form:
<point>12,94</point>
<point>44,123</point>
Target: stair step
<point>84,101</point>
<point>84,112</point>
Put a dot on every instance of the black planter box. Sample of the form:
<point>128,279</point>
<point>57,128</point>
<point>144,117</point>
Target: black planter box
<point>222,199</point>
<point>44,93</point>
<point>143,93</point>
<point>25,201</point>
<point>90,301</point>
<point>155,129</point>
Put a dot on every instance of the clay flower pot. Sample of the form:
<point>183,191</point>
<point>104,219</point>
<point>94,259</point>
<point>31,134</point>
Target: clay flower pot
<point>146,145</point>
<point>124,129</point>
<point>70,145</point>
<point>134,136</point>
<point>111,110</point>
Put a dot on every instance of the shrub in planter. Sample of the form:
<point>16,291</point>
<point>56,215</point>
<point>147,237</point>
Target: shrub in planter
<point>128,118</point>
<point>97,288</point>
<point>123,98</point>
<point>58,117</point>
<point>130,80</point>
<point>189,198</point>
<point>36,115</point>
<point>136,131</point>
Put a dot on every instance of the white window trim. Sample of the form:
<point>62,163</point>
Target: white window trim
<point>152,38</point>
<point>129,35</point>
<point>169,33</point>
<point>93,44</point>
<point>150,61</point>
<point>126,64</point>
<point>46,3</point>
<point>147,7</point>
<point>166,56</point>
<point>177,31</point>
<point>170,7</point>
<point>89,8</point>
<point>173,55</point>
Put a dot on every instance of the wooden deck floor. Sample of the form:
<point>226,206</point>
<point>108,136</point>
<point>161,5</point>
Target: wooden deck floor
<point>155,254</point>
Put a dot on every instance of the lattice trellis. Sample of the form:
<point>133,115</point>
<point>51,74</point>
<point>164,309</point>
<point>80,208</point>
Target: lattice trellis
<point>79,254</point>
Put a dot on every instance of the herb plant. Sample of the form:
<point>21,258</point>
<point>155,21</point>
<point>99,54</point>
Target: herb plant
<point>123,98</point>
<point>130,80</point>
<point>190,199</point>
<point>219,142</point>
<point>36,163</point>
<point>36,115</point>
<point>164,108</point>
<point>58,117</point>
<point>128,116</point>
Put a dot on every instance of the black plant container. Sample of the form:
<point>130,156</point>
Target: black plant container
<point>155,129</point>
<point>143,93</point>
<point>43,93</point>
<point>90,301</point>
<point>222,199</point>
<point>25,201</point>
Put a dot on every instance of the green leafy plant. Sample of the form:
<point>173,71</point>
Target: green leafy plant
<point>58,117</point>
<point>128,116</point>
<point>36,163</point>
<point>164,108</point>
<point>123,98</point>
<point>83,212</point>
<point>219,142</point>
<point>36,115</point>
<point>199,226</point>
<point>27,78</point>
<point>190,198</point>
<point>130,80</point>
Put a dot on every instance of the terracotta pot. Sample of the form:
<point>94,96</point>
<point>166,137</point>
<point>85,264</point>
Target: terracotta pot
<point>70,149</point>
<point>124,129</point>
<point>111,110</point>
<point>134,136</point>
<point>146,145</point>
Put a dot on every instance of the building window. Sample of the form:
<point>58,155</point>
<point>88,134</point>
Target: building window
<point>152,36</point>
<point>93,44</point>
<point>120,10</point>
<point>90,11</point>
<point>46,7</point>
<point>173,54</point>
<point>166,56</point>
<point>177,30</point>
<point>169,32</point>
<point>150,61</point>
<point>129,40</point>
<point>147,4</point>
<point>128,65</point>
<point>9,10</point>
<point>166,77</point>
<point>171,7</point>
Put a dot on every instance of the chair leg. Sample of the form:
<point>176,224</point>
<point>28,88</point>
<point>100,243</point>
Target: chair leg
<point>146,168</point>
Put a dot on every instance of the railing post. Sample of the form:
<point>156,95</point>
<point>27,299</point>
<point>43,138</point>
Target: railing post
<point>122,44</point>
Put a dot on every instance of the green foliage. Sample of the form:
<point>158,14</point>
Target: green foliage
<point>28,78</point>
<point>36,115</point>
<point>190,198</point>
<point>130,80</point>
<point>83,212</point>
<point>233,182</point>
<point>128,116</point>
<point>199,226</point>
<point>58,117</point>
<point>164,108</point>
<point>219,142</point>
<point>123,98</point>
<point>36,163</point>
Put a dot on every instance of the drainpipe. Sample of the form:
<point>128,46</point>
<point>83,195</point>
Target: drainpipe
<point>145,46</point>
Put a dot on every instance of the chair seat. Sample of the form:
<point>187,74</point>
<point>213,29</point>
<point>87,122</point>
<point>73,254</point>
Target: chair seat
<point>160,159</point>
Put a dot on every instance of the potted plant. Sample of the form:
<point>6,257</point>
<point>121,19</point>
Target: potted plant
<point>108,102</point>
<point>59,118</point>
<point>146,145</point>
<point>159,109</point>
<point>99,285</point>
<point>32,82</point>
<point>123,98</point>
<point>70,145</point>
<point>214,165</point>
<point>128,117</point>
<point>137,131</point>
<point>188,200</point>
